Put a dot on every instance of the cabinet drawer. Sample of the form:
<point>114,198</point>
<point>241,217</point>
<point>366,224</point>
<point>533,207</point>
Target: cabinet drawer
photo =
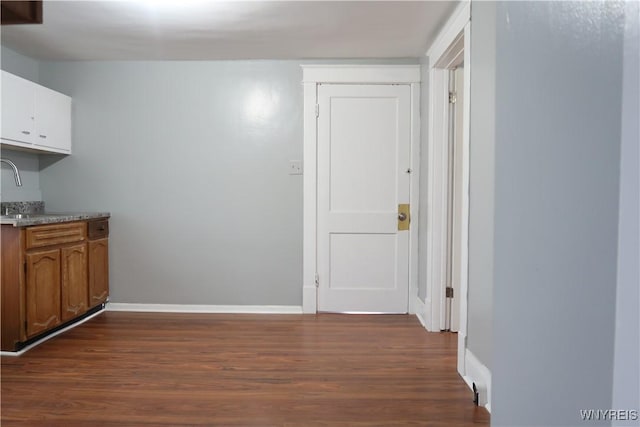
<point>55,234</point>
<point>98,229</point>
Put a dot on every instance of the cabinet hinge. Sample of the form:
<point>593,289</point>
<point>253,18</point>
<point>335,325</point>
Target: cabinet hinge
<point>317,280</point>
<point>449,292</point>
<point>317,110</point>
<point>452,97</point>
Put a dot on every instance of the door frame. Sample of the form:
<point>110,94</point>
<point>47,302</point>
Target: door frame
<point>453,41</point>
<point>314,75</point>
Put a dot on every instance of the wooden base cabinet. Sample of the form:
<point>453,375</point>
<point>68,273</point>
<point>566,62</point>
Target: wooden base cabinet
<point>98,271</point>
<point>42,291</point>
<point>51,274</point>
<point>74,287</point>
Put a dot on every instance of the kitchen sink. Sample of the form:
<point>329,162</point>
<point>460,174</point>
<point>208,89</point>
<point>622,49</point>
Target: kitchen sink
<point>16,216</point>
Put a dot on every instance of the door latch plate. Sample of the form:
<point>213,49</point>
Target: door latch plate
<point>403,217</point>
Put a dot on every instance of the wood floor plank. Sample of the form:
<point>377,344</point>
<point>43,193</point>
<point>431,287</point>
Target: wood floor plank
<point>151,369</point>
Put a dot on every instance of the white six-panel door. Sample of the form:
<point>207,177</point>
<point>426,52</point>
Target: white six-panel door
<point>364,135</point>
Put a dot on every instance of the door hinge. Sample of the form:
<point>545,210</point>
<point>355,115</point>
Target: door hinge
<point>449,292</point>
<point>317,110</point>
<point>452,97</point>
<point>317,281</point>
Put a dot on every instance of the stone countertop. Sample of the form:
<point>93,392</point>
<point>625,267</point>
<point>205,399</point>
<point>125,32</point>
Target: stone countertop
<point>50,218</point>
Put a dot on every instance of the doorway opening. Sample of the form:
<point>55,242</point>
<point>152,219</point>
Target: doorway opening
<point>456,189</point>
<point>339,253</point>
<point>448,180</point>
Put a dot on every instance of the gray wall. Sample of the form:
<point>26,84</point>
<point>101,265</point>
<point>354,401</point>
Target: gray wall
<point>28,166</point>
<point>481,186</point>
<point>27,163</point>
<point>557,164</point>
<point>18,64</point>
<point>626,373</point>
<point>191,159</point>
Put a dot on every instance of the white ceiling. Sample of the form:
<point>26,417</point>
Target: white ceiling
<point>208,29</point>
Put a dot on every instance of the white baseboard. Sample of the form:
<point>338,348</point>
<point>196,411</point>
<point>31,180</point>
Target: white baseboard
<point>413,299</point>
<point>477,372</point>
<point>198,308</point>
<point>419,309</point>
<point>48,337</point>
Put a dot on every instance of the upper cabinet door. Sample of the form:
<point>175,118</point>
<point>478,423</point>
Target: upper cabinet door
<point>53,121</point>
<point>18,110</point>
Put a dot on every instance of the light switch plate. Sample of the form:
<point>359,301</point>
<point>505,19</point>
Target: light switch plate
<point>295,167</point>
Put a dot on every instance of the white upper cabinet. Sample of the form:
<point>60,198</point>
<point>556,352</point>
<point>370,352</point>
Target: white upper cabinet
<point>34,117</point>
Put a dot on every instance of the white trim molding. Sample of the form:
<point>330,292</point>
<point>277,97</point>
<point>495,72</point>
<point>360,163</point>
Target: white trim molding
<point>361,74</point>
<point>312,76</point>
<point>199,308</point>
<point>464,235</point>
<point>450,31</point>
<point>478,373</point>
<point>309,200</point>
<point>414,196</point>
<point>453,41</point>
<point>437,196</point>
<point>419,309</point>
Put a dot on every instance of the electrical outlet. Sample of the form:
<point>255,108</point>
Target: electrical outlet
<point>295,167</point>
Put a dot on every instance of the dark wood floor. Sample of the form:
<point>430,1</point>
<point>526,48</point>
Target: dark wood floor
<point>129,369</point>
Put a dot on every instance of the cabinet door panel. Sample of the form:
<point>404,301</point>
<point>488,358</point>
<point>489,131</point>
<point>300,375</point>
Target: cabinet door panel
<point>98,271</point>
<point>18,104</point>
<point>43,291</point>
<point>74,281</point>
<point>53,120</point>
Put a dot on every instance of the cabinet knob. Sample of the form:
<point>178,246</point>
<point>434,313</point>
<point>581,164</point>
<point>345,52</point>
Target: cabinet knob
<point>26,132</point>
<point>43,136</point>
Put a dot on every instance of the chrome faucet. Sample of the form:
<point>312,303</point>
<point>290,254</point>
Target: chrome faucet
<point>16,173</point>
